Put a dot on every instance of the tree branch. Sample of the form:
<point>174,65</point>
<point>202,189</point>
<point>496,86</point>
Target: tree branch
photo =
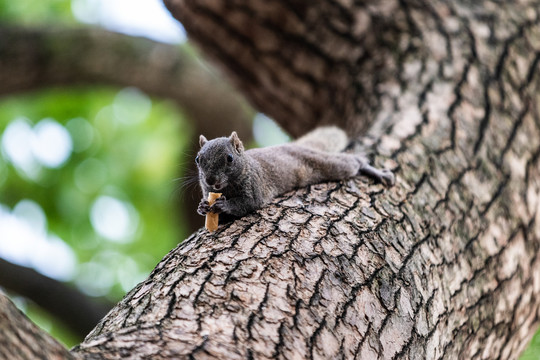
<point>20,339</point>
<point>443,265</point>
<point>68,305</point>
<point>34,58</point>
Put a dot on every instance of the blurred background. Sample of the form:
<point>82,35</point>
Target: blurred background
<point>101,105</point>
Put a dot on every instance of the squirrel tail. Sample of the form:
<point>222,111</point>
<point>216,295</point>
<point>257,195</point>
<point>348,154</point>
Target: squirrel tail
<point>326,138</point>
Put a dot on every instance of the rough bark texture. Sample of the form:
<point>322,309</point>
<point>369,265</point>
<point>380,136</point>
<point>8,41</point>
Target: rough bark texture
<point>444,265</point>
<point>306,63</point>
<point>20,339</point>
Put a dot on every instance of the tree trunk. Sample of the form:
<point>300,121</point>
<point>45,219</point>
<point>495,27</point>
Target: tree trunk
<point>443,265</point>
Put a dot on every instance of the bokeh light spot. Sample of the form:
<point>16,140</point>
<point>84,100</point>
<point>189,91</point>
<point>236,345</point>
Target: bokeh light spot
<point>94,279</point>
<point>114,219</point>
<point>16,147</point>
<point>144,18</point>
<point>266,132</point>
<point>31,213</point>
<point>51,143</point>
<point>24,241</point>
<point>131,106</point>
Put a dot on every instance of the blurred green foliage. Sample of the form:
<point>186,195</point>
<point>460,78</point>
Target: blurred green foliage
<point>121,150</point>
<point>31,11</point>
<point>533,351</point>
<point>125,147</point>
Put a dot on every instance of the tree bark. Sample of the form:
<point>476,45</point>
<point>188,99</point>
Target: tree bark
<point>20,339</point>
<point>308,63</point>
<point>443,265</point>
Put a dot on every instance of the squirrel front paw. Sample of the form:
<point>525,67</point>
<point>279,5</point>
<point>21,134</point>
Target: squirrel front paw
<point>203,208</point>
<point>219,206</point>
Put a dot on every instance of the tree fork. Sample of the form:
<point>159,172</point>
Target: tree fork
<point>443,265</point>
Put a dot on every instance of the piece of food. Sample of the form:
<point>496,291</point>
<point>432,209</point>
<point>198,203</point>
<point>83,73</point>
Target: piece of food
<point>212,219</point>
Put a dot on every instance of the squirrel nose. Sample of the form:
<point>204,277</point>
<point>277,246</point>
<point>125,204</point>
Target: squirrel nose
<point>210,180</point>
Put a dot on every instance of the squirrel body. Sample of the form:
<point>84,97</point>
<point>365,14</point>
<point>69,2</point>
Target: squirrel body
<point>250,179</point>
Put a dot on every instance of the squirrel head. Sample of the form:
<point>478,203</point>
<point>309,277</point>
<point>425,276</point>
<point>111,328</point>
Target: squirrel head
<point>219,160</point>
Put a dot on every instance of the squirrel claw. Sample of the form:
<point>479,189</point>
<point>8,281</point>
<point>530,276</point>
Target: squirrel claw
<point>219,205</point>
<point>384,176</point>
<point>387,178</point>
<point>204,207</point>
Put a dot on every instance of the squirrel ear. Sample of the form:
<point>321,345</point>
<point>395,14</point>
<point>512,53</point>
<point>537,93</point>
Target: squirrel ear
<point>202,140</point>
<point>236,142</point>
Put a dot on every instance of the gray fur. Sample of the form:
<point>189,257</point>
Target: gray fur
<point>327,138</point>
<point>254,177</point>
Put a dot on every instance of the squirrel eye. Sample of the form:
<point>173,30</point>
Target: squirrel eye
<point>197,159</point>
<point>229,158</point>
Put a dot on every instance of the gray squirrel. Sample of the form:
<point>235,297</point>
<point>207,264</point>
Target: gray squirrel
<point>250,179</point>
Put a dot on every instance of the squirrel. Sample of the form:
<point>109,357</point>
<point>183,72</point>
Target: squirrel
<point>250,179</point>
